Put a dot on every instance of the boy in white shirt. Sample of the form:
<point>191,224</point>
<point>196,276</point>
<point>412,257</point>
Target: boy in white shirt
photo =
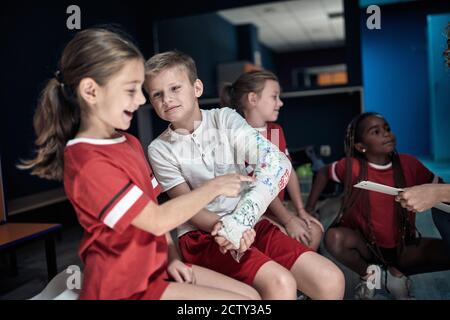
<point>202,144</point>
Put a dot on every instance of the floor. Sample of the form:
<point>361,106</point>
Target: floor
<point>429,286</point>
<point>32,273</point>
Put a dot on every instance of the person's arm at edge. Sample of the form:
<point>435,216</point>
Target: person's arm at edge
<point>319,184</point>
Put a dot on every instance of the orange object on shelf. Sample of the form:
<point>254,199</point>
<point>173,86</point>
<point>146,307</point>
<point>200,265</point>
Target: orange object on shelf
<point>251,67</point>
<point>332,78</point>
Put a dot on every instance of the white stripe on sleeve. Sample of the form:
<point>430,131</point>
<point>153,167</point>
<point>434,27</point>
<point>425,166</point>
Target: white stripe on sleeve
<point>333,172</point>
<point>121,208</point>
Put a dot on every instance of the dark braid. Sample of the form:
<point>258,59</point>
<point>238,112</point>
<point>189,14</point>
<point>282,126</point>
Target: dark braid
<point>407,229</point>
<point>351,194</point>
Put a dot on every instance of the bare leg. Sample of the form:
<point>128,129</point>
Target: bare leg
<point>316,232</point>
<point>210,285</point>
<point>316,236</point>
<point>274,282</point>
<point>349,248</point>
<point>209,278</point>
<point>318,277</point>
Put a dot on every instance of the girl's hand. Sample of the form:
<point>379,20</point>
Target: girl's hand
<point>180,272</point>
<point>308,218</point>
<point>224,244</point>
<point>229,185</point>
<point>297,229</point>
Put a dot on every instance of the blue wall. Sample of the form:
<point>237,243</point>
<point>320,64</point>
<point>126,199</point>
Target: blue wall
<point>211,40</point>
<point>267,57</point>
<point>366,3</point>
<point>439,75</point>
<point>395,75</point>
<point>208,38</point>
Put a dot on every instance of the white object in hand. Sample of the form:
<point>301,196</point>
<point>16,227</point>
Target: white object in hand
<point>378,187</point>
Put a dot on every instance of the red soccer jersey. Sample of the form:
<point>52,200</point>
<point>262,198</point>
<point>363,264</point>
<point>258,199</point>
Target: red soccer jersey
<point>109,182</point>
<point>382,206</point>
<point>275,134</point>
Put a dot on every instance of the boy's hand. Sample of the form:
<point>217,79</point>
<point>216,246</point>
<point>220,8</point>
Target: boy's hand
<point>180,272</point>
<point>246,241</point>
<point>229,185</point>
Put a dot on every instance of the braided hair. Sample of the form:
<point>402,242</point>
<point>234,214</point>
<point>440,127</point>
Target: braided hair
<point>406,228</point>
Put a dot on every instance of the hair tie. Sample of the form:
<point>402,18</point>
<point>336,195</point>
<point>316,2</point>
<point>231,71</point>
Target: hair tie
<point>59,78</point>
<point>231,91</point>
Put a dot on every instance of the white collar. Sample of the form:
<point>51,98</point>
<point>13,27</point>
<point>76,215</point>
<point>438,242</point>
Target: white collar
<point>380,167</point>
<point>262,129</point>
<point>120,139</point>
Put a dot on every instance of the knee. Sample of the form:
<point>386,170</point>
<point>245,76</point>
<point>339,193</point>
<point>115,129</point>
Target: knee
<point>283,282</point>
<point>332,283</point>
<point>334,240</point>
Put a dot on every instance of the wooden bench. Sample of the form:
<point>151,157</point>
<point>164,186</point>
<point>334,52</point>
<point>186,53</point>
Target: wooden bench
<point>12,235</point>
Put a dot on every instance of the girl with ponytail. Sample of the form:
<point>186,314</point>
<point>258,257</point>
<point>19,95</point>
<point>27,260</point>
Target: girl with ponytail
<point>80,121</point>
<point>256,96</point>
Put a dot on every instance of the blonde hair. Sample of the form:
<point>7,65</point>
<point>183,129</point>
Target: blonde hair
<point>233,94</point>
<point>96,53</point>
<point>162,61</point>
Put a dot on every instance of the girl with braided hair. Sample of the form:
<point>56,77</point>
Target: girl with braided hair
<point>371,228</point>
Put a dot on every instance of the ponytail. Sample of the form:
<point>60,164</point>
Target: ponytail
<point>234,95</point>
<point>56,121</point>
<point>228,99</point>
<point>96,53</point>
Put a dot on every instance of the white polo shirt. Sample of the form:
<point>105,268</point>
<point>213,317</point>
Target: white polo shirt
<point>217,147</point>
